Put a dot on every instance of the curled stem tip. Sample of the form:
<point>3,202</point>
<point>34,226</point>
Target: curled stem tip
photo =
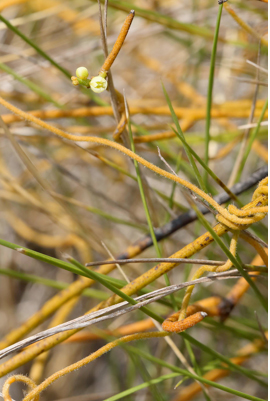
<point>173,325</point>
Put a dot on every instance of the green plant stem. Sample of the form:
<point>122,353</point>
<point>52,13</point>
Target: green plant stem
<point>147,214</point>
<point>222,358</point>
<point>69,267</point>
<point>210,92</point>
<point>111,287</point>
<point>77,268</point>
<point>153,315</point>
<point>191,375</point>
<point>141,386</point>
<point>211,173</point>
<point>234,260</point>
<point>250,142</point>
<point>35,88</point>
<point>59,285</point>
<point>37,48</point>
<point>180,135</point>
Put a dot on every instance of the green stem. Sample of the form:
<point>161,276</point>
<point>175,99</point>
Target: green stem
<point>210,90</point>
<point>32,44</point>
<point>59,285</point>
<point>141,386</point>
<point>147,214</point>
<point>250,142</point>
<point>234,260</point>
<point>35,88</point>
<point>180,135</point>
<point>211,173</point>
<point>191,375</point>
<point>97,277</point>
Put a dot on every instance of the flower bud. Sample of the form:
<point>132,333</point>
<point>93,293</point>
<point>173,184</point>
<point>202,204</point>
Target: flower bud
<point>82,73</point>
<point>75,81</point>
<point>98,84</point>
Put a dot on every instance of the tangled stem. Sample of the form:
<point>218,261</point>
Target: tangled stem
<point>228,219</point>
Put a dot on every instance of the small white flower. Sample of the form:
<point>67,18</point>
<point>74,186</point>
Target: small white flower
<point>98,84</point>
<point>82,73</point>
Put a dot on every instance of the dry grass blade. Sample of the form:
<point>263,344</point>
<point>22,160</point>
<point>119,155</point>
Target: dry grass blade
<point>96,317</point>
<point>160,260</point>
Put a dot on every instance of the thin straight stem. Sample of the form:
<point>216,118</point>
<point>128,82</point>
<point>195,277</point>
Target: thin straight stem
<point>210,92</point>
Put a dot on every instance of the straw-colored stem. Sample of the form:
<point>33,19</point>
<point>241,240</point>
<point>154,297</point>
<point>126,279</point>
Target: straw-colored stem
<point>223,212</point>
<point>108,347</point>
<point>207,268</point>
<point>237,109</point>
<point>244,25</point>
<point>118,44</point>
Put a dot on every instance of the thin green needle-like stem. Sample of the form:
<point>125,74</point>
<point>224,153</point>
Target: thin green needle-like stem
<point>141,386</point>
<point>210,92</point>
<point>180,135</point>
<point>32,44</point>
<point>58,263</point>
<point>174,368</point>
<point>35,88</point>
<point>40,256</point>
<point>196,366</point>
<point>219,356</point>
<point>80,269</point>
<point>234,260</point>
<point>111,287</point>
<point>211,173</point>
<point>178,163</point>
<point>250,142</point>
<point>59,285</point>
<point>171,198</point>
<point>146,210</point>
<point>140,184</point>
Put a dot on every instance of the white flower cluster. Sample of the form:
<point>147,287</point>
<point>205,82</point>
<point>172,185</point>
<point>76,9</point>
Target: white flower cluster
<point>98,84</point>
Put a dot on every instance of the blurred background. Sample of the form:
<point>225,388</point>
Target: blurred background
<point>81,195</point>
